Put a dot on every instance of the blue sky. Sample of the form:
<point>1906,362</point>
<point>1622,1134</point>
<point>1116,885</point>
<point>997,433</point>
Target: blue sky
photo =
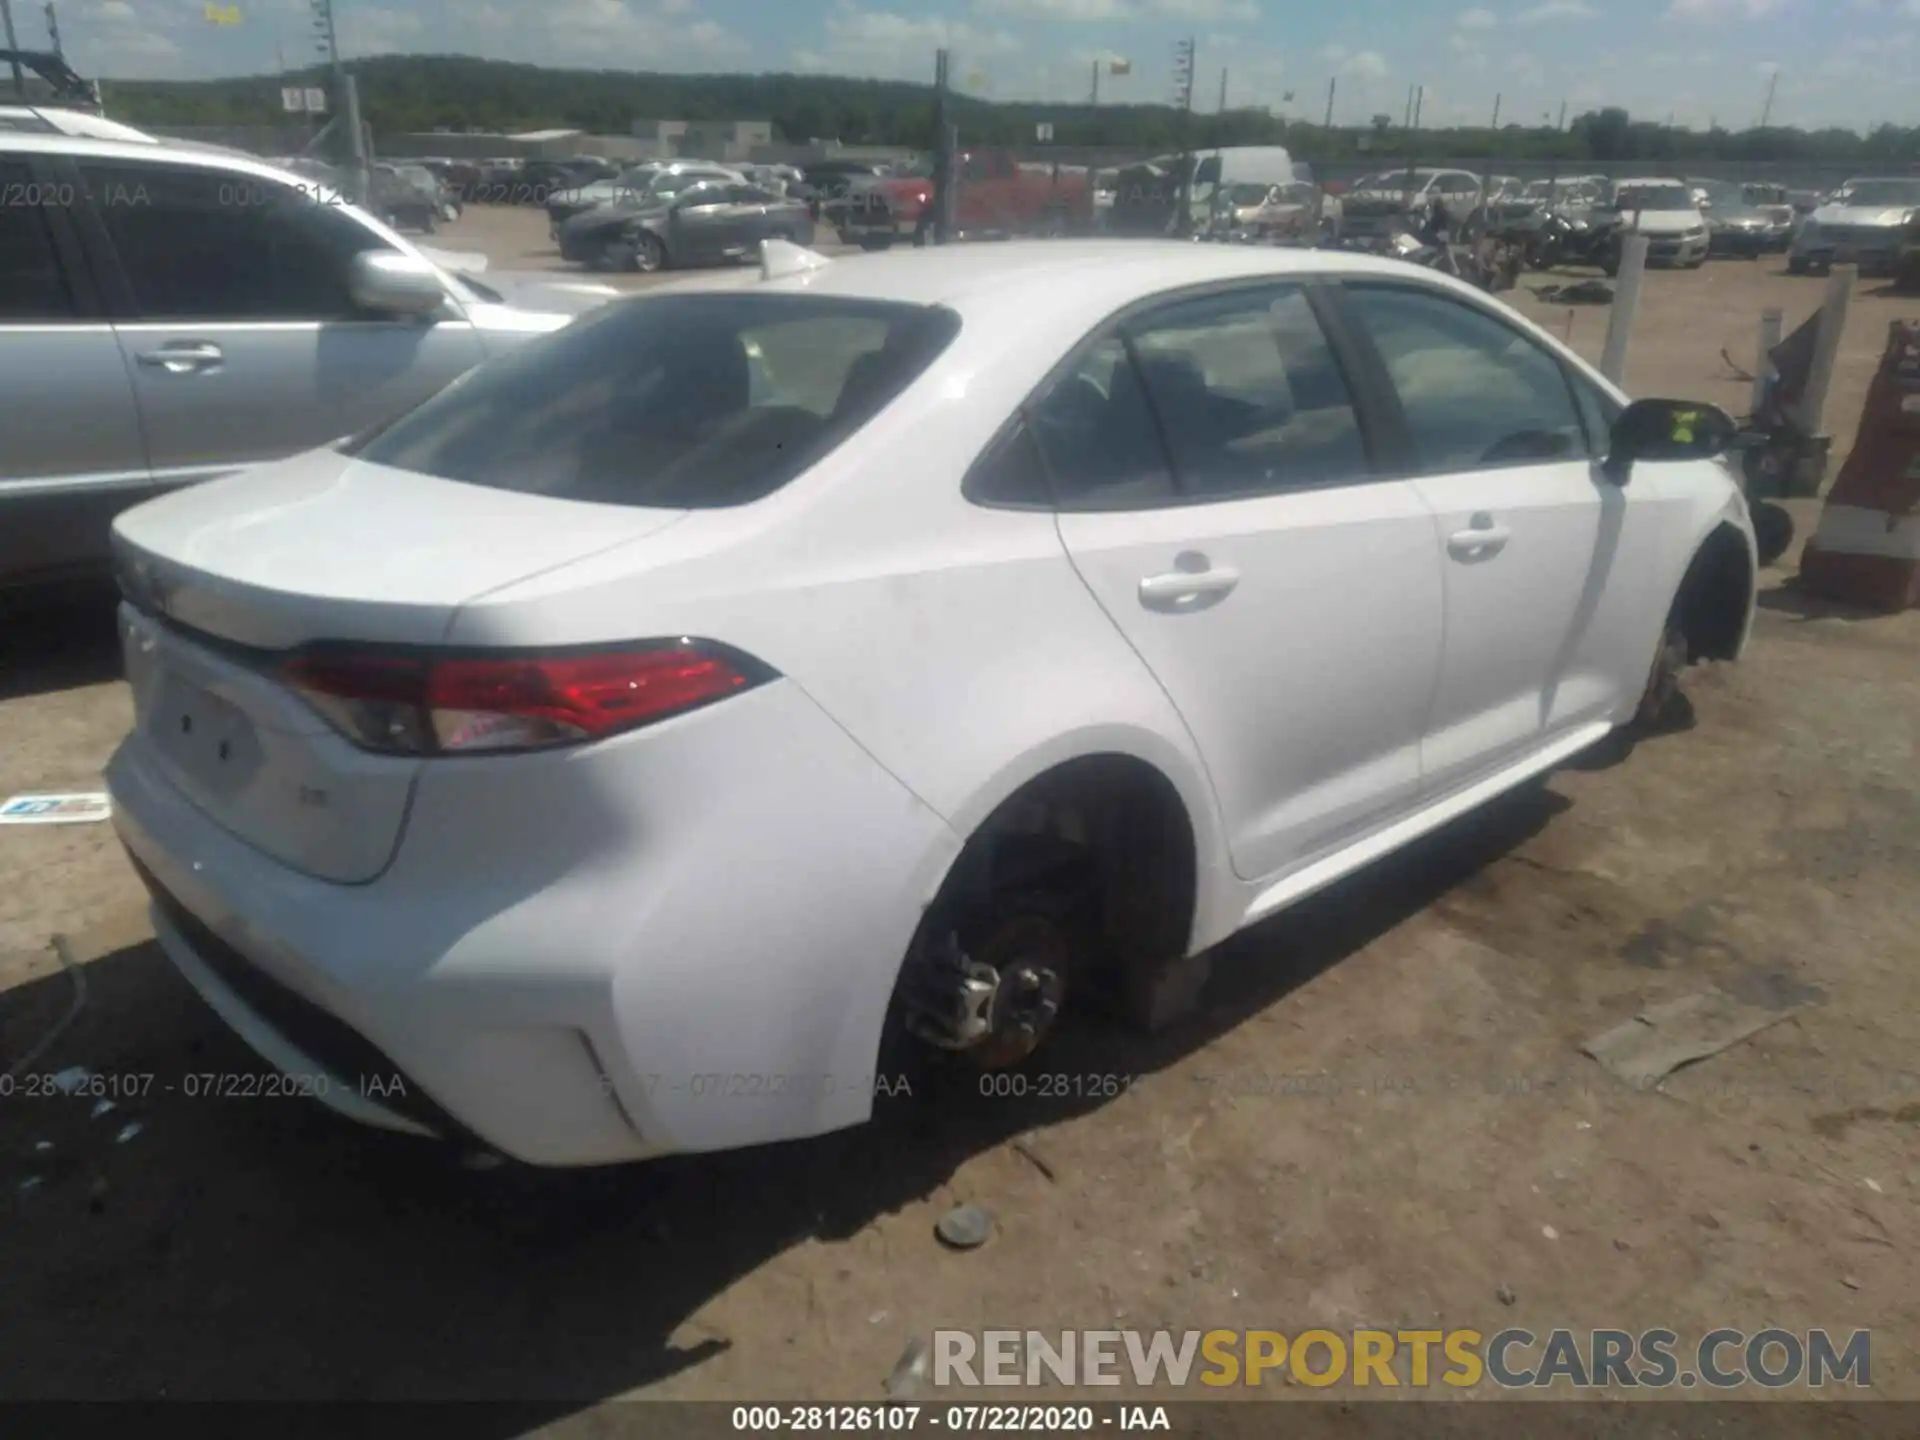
<point>1845,62</point>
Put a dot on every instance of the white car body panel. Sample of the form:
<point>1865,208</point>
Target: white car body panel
<point>730,893</point>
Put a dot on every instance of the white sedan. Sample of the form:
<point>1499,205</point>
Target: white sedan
<point>785,677</point>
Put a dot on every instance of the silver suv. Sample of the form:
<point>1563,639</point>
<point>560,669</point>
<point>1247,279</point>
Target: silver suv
<point>169,315</point>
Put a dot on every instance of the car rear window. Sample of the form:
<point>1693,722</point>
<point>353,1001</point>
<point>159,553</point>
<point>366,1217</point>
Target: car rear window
<point>683,402</point>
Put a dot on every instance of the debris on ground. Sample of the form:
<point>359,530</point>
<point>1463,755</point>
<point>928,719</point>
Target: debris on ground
<point>1025,1150</point>
<point>1505,1295</point>
<point>55,809</point>
<point>1580,292</point>
<point>909,1372</point>
<point>1549,1232</point>
<point>965,1227</point>
<point>1662,1038</point>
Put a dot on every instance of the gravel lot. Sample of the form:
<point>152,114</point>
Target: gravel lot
<point>1383,1118</point>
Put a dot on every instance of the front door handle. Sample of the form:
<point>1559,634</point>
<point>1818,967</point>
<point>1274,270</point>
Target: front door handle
<point>1480,541</point>
<point>184,357</point>
<point>1181,589</point>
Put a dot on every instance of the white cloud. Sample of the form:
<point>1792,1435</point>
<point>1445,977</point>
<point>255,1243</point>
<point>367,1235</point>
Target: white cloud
<point>881,43</point>
<point>375,30</point>
<point>1478,18</point>
<point>1242,11</point>
<point>121,39</point>
<point>1551,10</point>
<point>615,34</point>
<point>1361,64</point>
<point>1072,11</point>
<point>1724,9</point>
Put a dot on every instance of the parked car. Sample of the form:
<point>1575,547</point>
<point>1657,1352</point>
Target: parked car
<point>1862,223</point>
<point>1666,213</point>
<point>993,195</point>
<point>1736,226</point>
<point>168,315</point>
<point>1380,206</point>
<point>706,223</point>
<point>407,197</point>
<point>639,185</point>
<point>758,689</point>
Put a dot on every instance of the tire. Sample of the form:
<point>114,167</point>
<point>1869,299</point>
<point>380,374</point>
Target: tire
<point>611,257</point>
<point>1796,266</point>
<point>1772,531</point>
<point>649,254</point>
<point>1663,677</point>
<point>873,244</point>
<point>1610,263</point>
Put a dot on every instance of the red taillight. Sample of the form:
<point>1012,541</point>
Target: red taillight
<point>463,704</point>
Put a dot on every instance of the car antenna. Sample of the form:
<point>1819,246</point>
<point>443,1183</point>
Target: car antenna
<point>781,258</point>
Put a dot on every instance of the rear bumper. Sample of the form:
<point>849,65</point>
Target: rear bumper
<point>680,940</point>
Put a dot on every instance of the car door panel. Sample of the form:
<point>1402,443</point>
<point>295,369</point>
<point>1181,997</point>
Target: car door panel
<point>240,337</point>
<point>1288,602</point>
<point>71,454</point>
<point>1538,551</point>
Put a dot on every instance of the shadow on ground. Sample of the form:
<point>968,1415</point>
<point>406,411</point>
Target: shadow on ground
<point>241,1249</point>
<point>58,639</point>
<point>1796,600</point>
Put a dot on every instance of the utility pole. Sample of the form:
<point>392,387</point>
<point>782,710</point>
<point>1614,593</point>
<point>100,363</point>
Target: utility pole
<point>1406,122</point>
<point>1563,117</point>
<point>1096,80</point>
<point>1223,91</point>
<point>1766,110</point>
<point>943,150</point>
<point>1419,104</point>
<point>1183,57</point>
<point>19,75</point>
<point>1332,86</point>
<point>53,31</point>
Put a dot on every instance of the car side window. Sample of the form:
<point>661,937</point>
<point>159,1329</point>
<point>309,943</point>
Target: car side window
<point>33,287</point>
<point>751,195</point>
<point>1248,393</point>
<point>1010,471</point>
<point>1098,437</point>
<point>1598,411</point>
<point>215,245</point>
<point>1477,394</point>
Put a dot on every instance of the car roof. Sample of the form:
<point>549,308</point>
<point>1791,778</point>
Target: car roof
<point>58,120</point>
<point>1044,275</point>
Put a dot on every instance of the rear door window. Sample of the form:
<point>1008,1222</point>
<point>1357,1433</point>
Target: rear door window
<point>675,401</point>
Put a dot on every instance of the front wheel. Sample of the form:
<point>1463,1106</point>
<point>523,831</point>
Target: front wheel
<point>1663,679</point>
<point>1772,531</point>
<point>649,254</point>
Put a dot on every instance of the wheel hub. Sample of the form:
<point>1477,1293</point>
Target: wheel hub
<point>994,1014</point>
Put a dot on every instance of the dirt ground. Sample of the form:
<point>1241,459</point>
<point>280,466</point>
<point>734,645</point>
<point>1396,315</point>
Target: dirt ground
<point>1383,1117</point>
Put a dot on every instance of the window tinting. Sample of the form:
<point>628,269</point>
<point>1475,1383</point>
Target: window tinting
<point>1248,394</point>
<point>1098,436</point>
<point>1010,471</point>
<point>678,401</point>
<point>1597,413</point>
<point>32,285</point>
<point>1477,393</point>
<point>213,245</point>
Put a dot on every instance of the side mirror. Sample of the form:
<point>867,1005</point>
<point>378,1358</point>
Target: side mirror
<point>1667,430</point>
<point>390,283</point>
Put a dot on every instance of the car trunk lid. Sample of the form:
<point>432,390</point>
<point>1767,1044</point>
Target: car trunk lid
<point>224,581</point>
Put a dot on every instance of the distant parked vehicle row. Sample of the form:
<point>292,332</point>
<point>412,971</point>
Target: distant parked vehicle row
<point>221,319</point>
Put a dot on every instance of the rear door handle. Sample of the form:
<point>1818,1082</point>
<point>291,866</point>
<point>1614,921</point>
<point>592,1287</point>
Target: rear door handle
<point>1479,542</point>
<point>183,357</point>
<point>1179,588</point>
